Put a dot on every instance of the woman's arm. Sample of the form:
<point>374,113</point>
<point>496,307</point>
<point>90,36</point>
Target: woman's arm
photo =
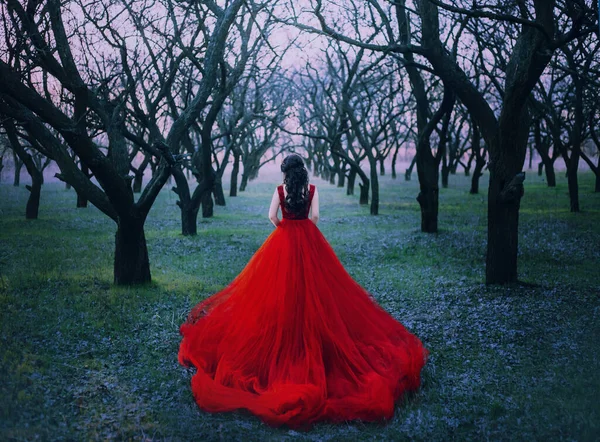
<point>273,208</point>
<point>314,207</point>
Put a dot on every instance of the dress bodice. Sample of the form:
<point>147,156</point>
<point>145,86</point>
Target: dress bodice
<point>287,215</point>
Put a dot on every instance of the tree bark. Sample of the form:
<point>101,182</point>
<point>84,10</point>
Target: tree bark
<point>445,172</point>
<point>81,199</point>
<point>428,197</point>
<point>342,177</point>
<point>550,174</point>
<point>244,182</point>
<point>218,192</point>
<point>351,181</point>
<point>573,187</point>
<point>189,211</point>
<point>364,193</point>
<point>477,173</point>
<point>474,190</point>
<point>138,177</point>
<point>37,178</point>
<point>131,254</point>
<point>374,188</point>
<point>503,221</point>
<point>479,159</point>
<point>234,174</point>
<point>207,205</point>
<point>33,203</point>
<point>469,164</point>
<point>543,150</point>
<point>408,172</point>
<point>428,165</point>
<point>17,171</point>
<point>189,220</point>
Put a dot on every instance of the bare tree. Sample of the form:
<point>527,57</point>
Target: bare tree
<point>540,28</point>
<point>105,104</point>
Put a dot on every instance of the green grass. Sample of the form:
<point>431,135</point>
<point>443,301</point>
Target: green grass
<point>81,359</point>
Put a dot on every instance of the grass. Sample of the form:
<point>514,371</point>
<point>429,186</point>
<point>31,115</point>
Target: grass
<point>81,359</point>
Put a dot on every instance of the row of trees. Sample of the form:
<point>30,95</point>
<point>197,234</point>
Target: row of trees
<point>494,74</point>
<point>93,86</point>
<point>108,90</point>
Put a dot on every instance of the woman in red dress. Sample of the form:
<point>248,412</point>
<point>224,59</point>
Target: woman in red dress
<point>294,339</point>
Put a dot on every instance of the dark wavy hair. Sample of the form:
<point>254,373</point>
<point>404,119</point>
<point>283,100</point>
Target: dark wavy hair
<point>296,184</point>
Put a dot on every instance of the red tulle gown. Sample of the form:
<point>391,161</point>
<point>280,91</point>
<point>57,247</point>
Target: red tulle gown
<point>295,340</point>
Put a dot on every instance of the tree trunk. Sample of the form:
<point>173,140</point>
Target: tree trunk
<point>33,203</point>
<point>244,182</point>
<point>234,175</point>
<point>332,175</point>
<point>597,187</point>
<point>81,199</point>
<point>429,201</point>
<point>503,227</point>
<point>479,159</point>
<point>189,213</point>
<point>445,172</point>
<point>428,165</point>
<point>218,192</point>
<point>408,172</point>
<point>543,150</point>
<point>381,167</point>
<point>131,254</point>
<point>364,193</point>
<point>550,174</point>
<point>189,220</point>
<point>374,188</point>
<point>427,169</point>
<point>469,164</point>
<point>18,165</point>
<point>504,196</point>
<point>573,183</point>
<point>342,178</point>
<point>474,190</point>
<point>351,181</point>
<point>138,179</point>
<point>207,205</point>
<point>394,159</point>
<point>477,173</point>
<point>22,157</point>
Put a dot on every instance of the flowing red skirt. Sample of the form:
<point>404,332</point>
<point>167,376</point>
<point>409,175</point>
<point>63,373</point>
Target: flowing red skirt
<point>295,340</point>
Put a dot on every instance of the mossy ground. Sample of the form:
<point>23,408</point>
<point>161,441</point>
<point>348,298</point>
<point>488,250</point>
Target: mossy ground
<point>81,359</point>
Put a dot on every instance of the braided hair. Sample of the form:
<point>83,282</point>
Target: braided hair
<point>296,184</point>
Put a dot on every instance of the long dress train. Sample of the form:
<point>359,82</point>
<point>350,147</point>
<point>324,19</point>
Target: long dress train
<point>295,340</point>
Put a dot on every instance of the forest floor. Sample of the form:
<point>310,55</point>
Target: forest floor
<point>81,359</point>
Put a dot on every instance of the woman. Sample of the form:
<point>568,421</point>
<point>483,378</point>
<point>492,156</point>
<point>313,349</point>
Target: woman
<point>294,339</point>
